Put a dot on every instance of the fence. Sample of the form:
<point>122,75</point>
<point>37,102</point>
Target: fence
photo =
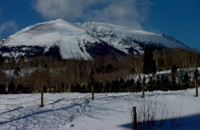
<point>37,99</point>
<point>92,90</point>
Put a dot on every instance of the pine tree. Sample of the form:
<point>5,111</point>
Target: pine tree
<point>11,86</point>
<point>173,80</point>
<point>2,89</point>
<point>174,69</point>
<point>1,60</point>
<point>186,77</point>
<point>149,64</point>
<point>196,74</point>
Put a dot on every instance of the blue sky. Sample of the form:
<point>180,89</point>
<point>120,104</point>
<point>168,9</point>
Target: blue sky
<point>177,18</point>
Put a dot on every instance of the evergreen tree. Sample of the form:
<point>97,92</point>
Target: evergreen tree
<point>173,85</point>
<point>196,74</point>
<point>158,83</point>
<point>138,86</point>
<point>144,79</point>
<point>186,81</point>
<point>149,64</point>
<point>11,86</point>
<point>44,89</point>
<point>173,79</point>
<point>2,89</point>
<point>121,84</point>
<point>19,88</point>
<point>161,63</point>
<point>109,68</point>
<point>173,69</point>
<point>1,60</point>
<point>185,77</point>
<point>107,87</point>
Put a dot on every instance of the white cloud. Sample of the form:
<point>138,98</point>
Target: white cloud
<point>128,13</point>
<point>8,27</point>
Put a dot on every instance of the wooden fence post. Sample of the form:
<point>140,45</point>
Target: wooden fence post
<point>142,89</point>
<point>134,118</point>
<point>41,98</point>
<point>196,88</point>
<point>92,92</point>
<point>196,81</point>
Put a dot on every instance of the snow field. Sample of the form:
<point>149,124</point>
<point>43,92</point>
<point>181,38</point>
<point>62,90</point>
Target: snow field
<point>111,111</point>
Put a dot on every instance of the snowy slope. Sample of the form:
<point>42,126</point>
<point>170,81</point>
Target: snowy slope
<point>54,33</point>
<point>109,111</point>
<point>81,41</point>
<point>129,40</point>
<point>59,35</point>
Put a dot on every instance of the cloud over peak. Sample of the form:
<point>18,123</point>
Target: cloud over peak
<point>8,27</point>
<point>129,13</point>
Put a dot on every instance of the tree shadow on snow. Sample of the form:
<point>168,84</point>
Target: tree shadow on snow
<point>183,123</point>
<point>44,118</point>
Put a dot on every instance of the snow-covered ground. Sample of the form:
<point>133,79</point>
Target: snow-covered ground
<point>109,111</point>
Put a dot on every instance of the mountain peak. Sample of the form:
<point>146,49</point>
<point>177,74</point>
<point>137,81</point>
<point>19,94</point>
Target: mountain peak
<point>81,41</point>
<point>59,20</point>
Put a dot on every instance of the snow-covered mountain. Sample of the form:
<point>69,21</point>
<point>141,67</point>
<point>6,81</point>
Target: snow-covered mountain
<point>128,40</point>
<point>81,41</point>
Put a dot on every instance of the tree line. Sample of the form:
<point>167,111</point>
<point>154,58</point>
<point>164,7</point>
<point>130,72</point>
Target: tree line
<point>110,74</point>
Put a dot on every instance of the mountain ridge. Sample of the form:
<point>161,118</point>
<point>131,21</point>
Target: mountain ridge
<point>139,37</point>
<point>81,40</point>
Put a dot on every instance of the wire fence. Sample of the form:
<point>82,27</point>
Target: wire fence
<point>18,97</point>
<point>37,99</point>
<point>22,102</point>
<point>66,100</point>
<point>72,99</point>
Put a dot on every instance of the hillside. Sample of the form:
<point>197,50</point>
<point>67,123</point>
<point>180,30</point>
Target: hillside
<point>66,40</point>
